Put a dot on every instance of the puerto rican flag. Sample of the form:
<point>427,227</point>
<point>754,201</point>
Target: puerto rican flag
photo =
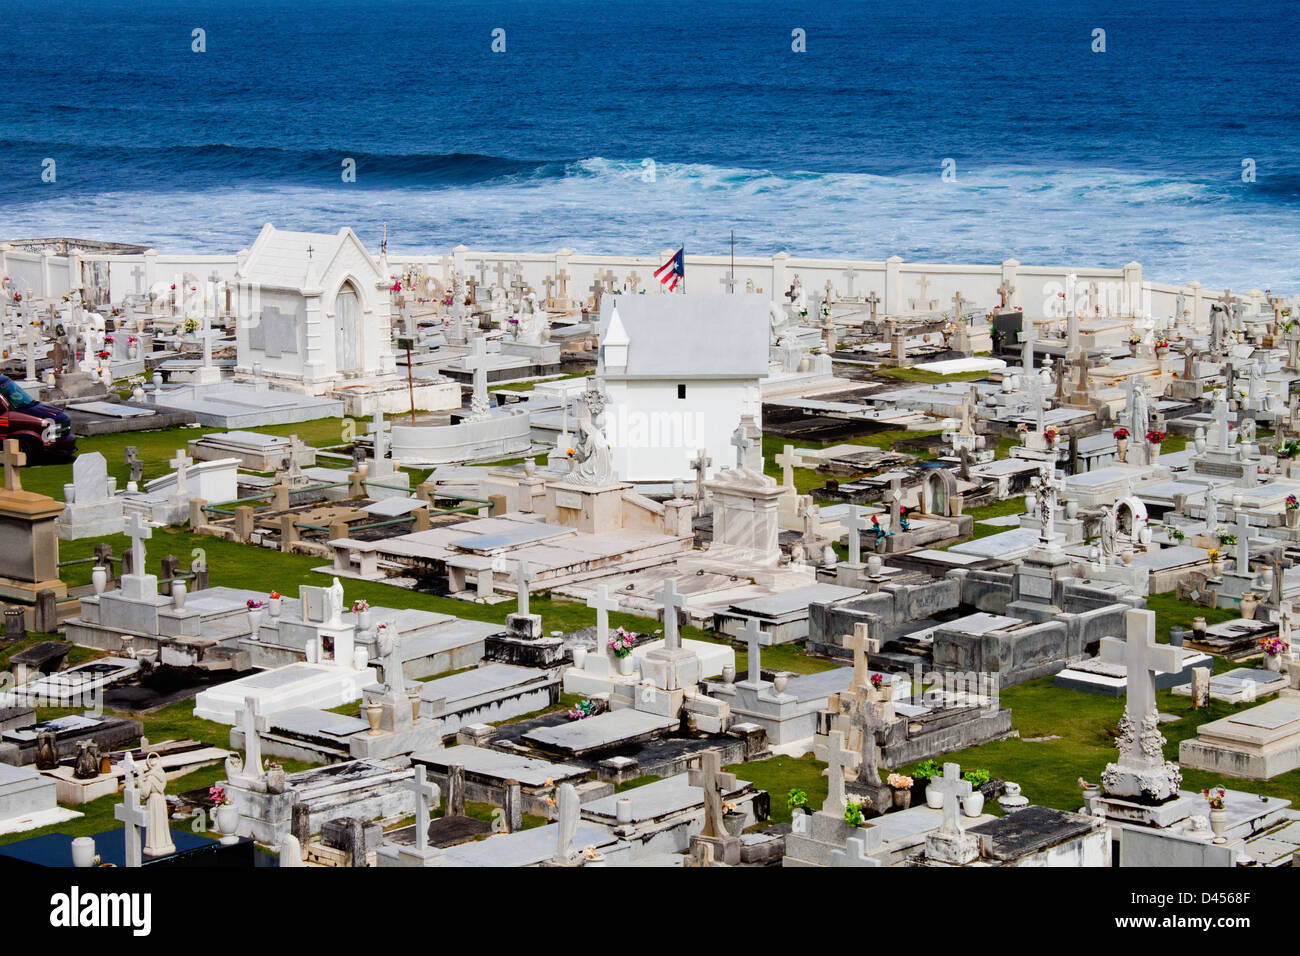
<point>672,271</point>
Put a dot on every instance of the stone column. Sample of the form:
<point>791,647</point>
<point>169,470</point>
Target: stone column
<point>894,301</point>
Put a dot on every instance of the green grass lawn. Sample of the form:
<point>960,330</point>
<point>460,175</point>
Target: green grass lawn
<point>927,377</point>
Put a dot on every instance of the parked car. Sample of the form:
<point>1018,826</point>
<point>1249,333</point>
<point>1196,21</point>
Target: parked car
<point>43,431</point>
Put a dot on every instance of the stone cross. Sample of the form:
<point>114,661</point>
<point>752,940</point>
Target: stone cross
<point>856,525</point>
<point>954,790</point>
<point>13,460</point>
<point>866,721</point>
<point>476,361</point>
<point>138,274</point>
<point>700,464</point>
<point>922,303</point>
<point>786,459</point>
<point>426,797</point>
<point>602,604</point>
<point>549,284</point>
<point>710,778</point>
<point>523,575</point>
<point>139,531</point>
<point>837,758</point>
<point>1243,542</point>
<point>482,270</point>
<point>501,270</point>
<point>563,277</point>
<point>1027,346</point>
<point>567,812</point>
<point>1143,658</point>
<point>132,814</point>
<point>671,601</point>
<point>1005,291</point>
<point>252,724</point>
<point>752,635</point>
<point>862,645</point>
<point>596,288</point>
<point>29,339</point>
<point>378,428</point>
<point>958,306</point>
<point>1221,424</point>
<point>855,850</point>
<point>182,464</point>
<point>728,281</point>
<point>849,275</point>
<point>741,441</point>
<point>633,281</point>
<point>872,300</point>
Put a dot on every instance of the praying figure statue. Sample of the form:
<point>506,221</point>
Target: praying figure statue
<point>153,784</point>
<point>1108,531</point>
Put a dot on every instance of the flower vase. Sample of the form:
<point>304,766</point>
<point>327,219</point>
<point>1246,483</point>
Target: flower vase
<point>933,797</point>
<point>1218,824</point>
<point>973,805</point>
<point>276,605</point>
<point>1153,452</point>
<point>1293,518</point>
<point>254,620</point>
<point>276,780</point>
<point>178,595</point>
<point>1122,445</point>
<point>133,352</point>
<point>1273,662</point>
<point>374,712</point>
<point>363,619</point>
<point>1248,605</point>
<point>83,852</point>
<point>99,578</point>
<point>734,821</point>
<point>625,665</point>
<point>228,823</point>
<point>579,657</point>
<point>902,798</point>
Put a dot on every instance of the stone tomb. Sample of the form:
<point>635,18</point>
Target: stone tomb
<point>1097,676</point>
<point>1241,685</point>
<point>28,801</point>
<point>1258,743</point>
<point>253,450</point>
<point>94,510</point>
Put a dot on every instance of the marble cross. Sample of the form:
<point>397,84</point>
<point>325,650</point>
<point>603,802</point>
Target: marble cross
<point>872,300</point>
<point>856,525</point>
<point>1243,542</point>
<point>132,814</point>
<point>1143,658</point>
<point>671,601</point>
<point>523,576</point>
<point>954,790</point>
<point>837,758</point>
<point>1005,291</point>
<point>862,645</point>
<point>139,531</point>
<point>741,442</point>
<point>849,275</point>
<point>866,721</point>
<point>477,362</point>
<point>922,303</point>
<point>13,460</point>
<point>138,275</point>
<point>700,465</point>
<point>787,460</point>
<point>728,281</point>
<point>753,635</point>
<point>710,778</point>
<point>426,798</point>
<point>602,604</point>
<point>855,849</point>
<point>252,724</point>
<point>378,428</point>
<point>181,462</point>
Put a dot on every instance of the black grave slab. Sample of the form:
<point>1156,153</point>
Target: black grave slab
<point>1034,828</point>
<point>192,850</point>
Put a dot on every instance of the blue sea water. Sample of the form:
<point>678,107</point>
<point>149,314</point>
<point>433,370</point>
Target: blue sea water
<point>1062,154</point>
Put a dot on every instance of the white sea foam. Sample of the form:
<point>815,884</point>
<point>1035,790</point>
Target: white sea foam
<point>1217,232</point>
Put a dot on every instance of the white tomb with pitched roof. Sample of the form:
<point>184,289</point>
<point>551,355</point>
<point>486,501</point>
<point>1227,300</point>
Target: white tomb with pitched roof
<point>314,315</point>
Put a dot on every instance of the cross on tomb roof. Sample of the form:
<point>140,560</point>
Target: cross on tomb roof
<point>602,604</point>
<point>523,577</point>
<point>954,790</point>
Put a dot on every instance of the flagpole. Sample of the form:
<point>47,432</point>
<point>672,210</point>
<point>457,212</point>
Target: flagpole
<point>733,260</point>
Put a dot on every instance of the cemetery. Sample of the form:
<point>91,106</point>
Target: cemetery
<point>525,560</point>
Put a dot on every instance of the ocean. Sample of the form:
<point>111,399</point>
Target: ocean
<point>631,127</point>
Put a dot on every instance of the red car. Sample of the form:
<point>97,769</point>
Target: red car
<point>43,431</point>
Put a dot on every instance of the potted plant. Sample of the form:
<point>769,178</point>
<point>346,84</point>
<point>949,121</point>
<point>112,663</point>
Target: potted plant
<point>973,805</point>
<point>901,784</point>
<point>1274,648</point>
<point>1121,443</point>
<point>621,643</point>
<point>1218,814</point>
<point>361,608</point>
<point>255,612</point>
<point>1154,438</point>
<point>797,801</point>
<point>227,814</point>
<point>1162,347</point>
<point>1213,555</point>
<point>1292,512</point>
<point>853,815</point>
<point>926,771</point>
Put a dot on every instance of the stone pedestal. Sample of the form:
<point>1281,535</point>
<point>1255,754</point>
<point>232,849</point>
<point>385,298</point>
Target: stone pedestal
<point>592,509</point>
<point>671,669</point>
<point>29,560</point>
<point>955,850</point>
